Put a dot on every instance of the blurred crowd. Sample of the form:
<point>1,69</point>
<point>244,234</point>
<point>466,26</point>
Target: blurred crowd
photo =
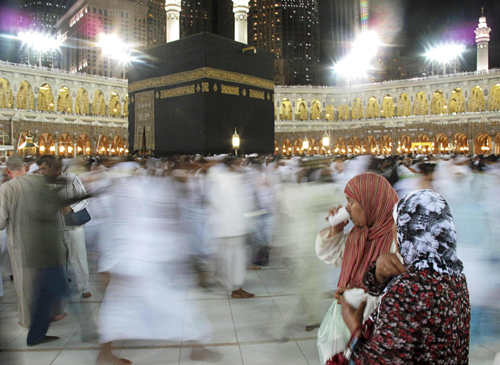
<point>152,220</point>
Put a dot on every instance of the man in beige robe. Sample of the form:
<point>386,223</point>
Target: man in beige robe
<point>30,229</point>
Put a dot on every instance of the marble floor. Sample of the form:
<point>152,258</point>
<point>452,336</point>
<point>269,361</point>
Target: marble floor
<point>267,329</point>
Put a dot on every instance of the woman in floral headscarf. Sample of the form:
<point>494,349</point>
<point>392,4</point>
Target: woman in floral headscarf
<point>423,315</point>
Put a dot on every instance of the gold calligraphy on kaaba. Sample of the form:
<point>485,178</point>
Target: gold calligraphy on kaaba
<point>205,87</point>
<point>231,90</point>
<point>178,91</point>
<point>201,73</point>
<point>256,94</point>
<point>144,120</point>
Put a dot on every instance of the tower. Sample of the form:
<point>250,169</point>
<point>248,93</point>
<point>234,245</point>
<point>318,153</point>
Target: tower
<point>482,38</point>
<point>241,9</point>
<point>173,9</point>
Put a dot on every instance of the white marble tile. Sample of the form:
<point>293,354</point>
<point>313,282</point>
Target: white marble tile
<point>310,351</point>
<point>30,358</point>
<point>168,356</point>
<point>222,355</point>
<point>258,319</point>
<point>274,353</point>
<point>80,357</point>
<point>279,281</point>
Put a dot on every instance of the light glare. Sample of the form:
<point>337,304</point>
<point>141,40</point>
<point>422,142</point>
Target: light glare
<point>445,53</point>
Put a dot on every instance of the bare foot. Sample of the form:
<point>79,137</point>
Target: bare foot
<point>110,359</point>
<point>241,294</point>
<point>59,317</point>
<point>86,295</point>
<point>205,355</point>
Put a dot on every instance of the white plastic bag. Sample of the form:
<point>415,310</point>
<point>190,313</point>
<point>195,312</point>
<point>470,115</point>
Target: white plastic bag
<point>333,333</point>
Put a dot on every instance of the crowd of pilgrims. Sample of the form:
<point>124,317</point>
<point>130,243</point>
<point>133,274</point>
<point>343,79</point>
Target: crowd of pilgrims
<point>154,220</point>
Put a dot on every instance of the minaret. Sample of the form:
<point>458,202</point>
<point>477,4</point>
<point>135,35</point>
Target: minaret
<point>241,9</point>
<point>482,38</point>
<point>173,9</point>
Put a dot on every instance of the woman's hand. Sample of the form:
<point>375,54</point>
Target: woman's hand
<point>388,266</point>
<point>339,227</point>
<point>353,318</point>
<point>339,293</point>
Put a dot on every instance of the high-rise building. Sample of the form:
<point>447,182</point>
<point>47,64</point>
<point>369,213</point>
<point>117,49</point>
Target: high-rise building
<point>212,16</point>
<point>290,29</point>
<point>156,23</point>
<point>81,27</point>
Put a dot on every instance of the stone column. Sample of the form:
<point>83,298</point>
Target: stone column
<point>110,146</point>
<point>56,145</point>
<point>241,9</point>
<point>74,149</point>
<point>173,9</point>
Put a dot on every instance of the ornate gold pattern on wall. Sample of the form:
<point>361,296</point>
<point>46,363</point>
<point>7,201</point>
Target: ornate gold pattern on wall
<point>215,87</point>
<point>157,95</point>
<point>205,87</point>
<point>231,90</point>
<point>244,92</point>
<point>198,88</point>
<point>256,94</point>
<point>178,91</point>
<point>204,72</point>
<point>144,120</point>
<point>131,99</point>
<point>269,97</point>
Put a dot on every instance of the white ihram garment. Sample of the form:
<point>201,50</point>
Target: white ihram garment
<point>143,300</point>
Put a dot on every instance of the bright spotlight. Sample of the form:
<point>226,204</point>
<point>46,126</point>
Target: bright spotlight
<point>445,53</point>
<point>358,61</point>
<point>115,48</point>
<point>41,42</point>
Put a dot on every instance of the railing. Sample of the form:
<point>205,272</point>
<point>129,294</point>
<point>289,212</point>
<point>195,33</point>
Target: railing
<point>59,71</point>
<point>415,79</point>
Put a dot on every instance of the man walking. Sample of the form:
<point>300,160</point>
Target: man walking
<point>73,236</point>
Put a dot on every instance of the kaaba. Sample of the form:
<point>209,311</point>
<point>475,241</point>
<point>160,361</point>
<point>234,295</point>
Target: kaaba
<point>189,96</point>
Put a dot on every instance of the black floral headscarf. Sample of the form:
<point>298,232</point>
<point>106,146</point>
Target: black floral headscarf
<point>426,233</point>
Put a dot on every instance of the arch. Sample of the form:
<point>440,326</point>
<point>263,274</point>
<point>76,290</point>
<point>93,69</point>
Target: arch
<point>340,146</point>
<point>83,145</point>
<point>114,106</point>
<point>313,147</point>
<point>370,145</point>
<point>46,144</point>
<point>344,112</point>
<point>385,145</point>
<point>125,108</point>
<point>118,147</point>
<point>404,144</point>
<point>285,110</point>
<point>372,109</point>
<point>387,107</point>
<point>497,145</point>
<point>456,104</point>
<point>423,138</point>
<point>102,145</point>
<point>357,109</point>
<point>438,103</point>
<point>316,109</point>
<point>82,102</point>
<point>482,144</point>
<point>404,105</point>
<point>25,97</point>
<point>421,105</point>
<point>355,146</point>
<point>6,96</point>
<point>65,145</point>
<point>476,100</point>
<point>441,144</point>
<point>297,147</point>
<point>287,147</point>
<point>494,98</point>
<point>329,113</point>
<point>301,110</point>
<point>98,105</point>
<point>64,100</point>
<point>461,143</point>
<point>4,138</point>
<point>45,99</point>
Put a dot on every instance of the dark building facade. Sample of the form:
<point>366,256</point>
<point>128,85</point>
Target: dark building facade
<point>156,23</point>
<point>212,16</point>
<point>289,29</point>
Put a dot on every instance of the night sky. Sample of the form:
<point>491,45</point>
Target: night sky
<point>411,25</point>
<point>408,25</point>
